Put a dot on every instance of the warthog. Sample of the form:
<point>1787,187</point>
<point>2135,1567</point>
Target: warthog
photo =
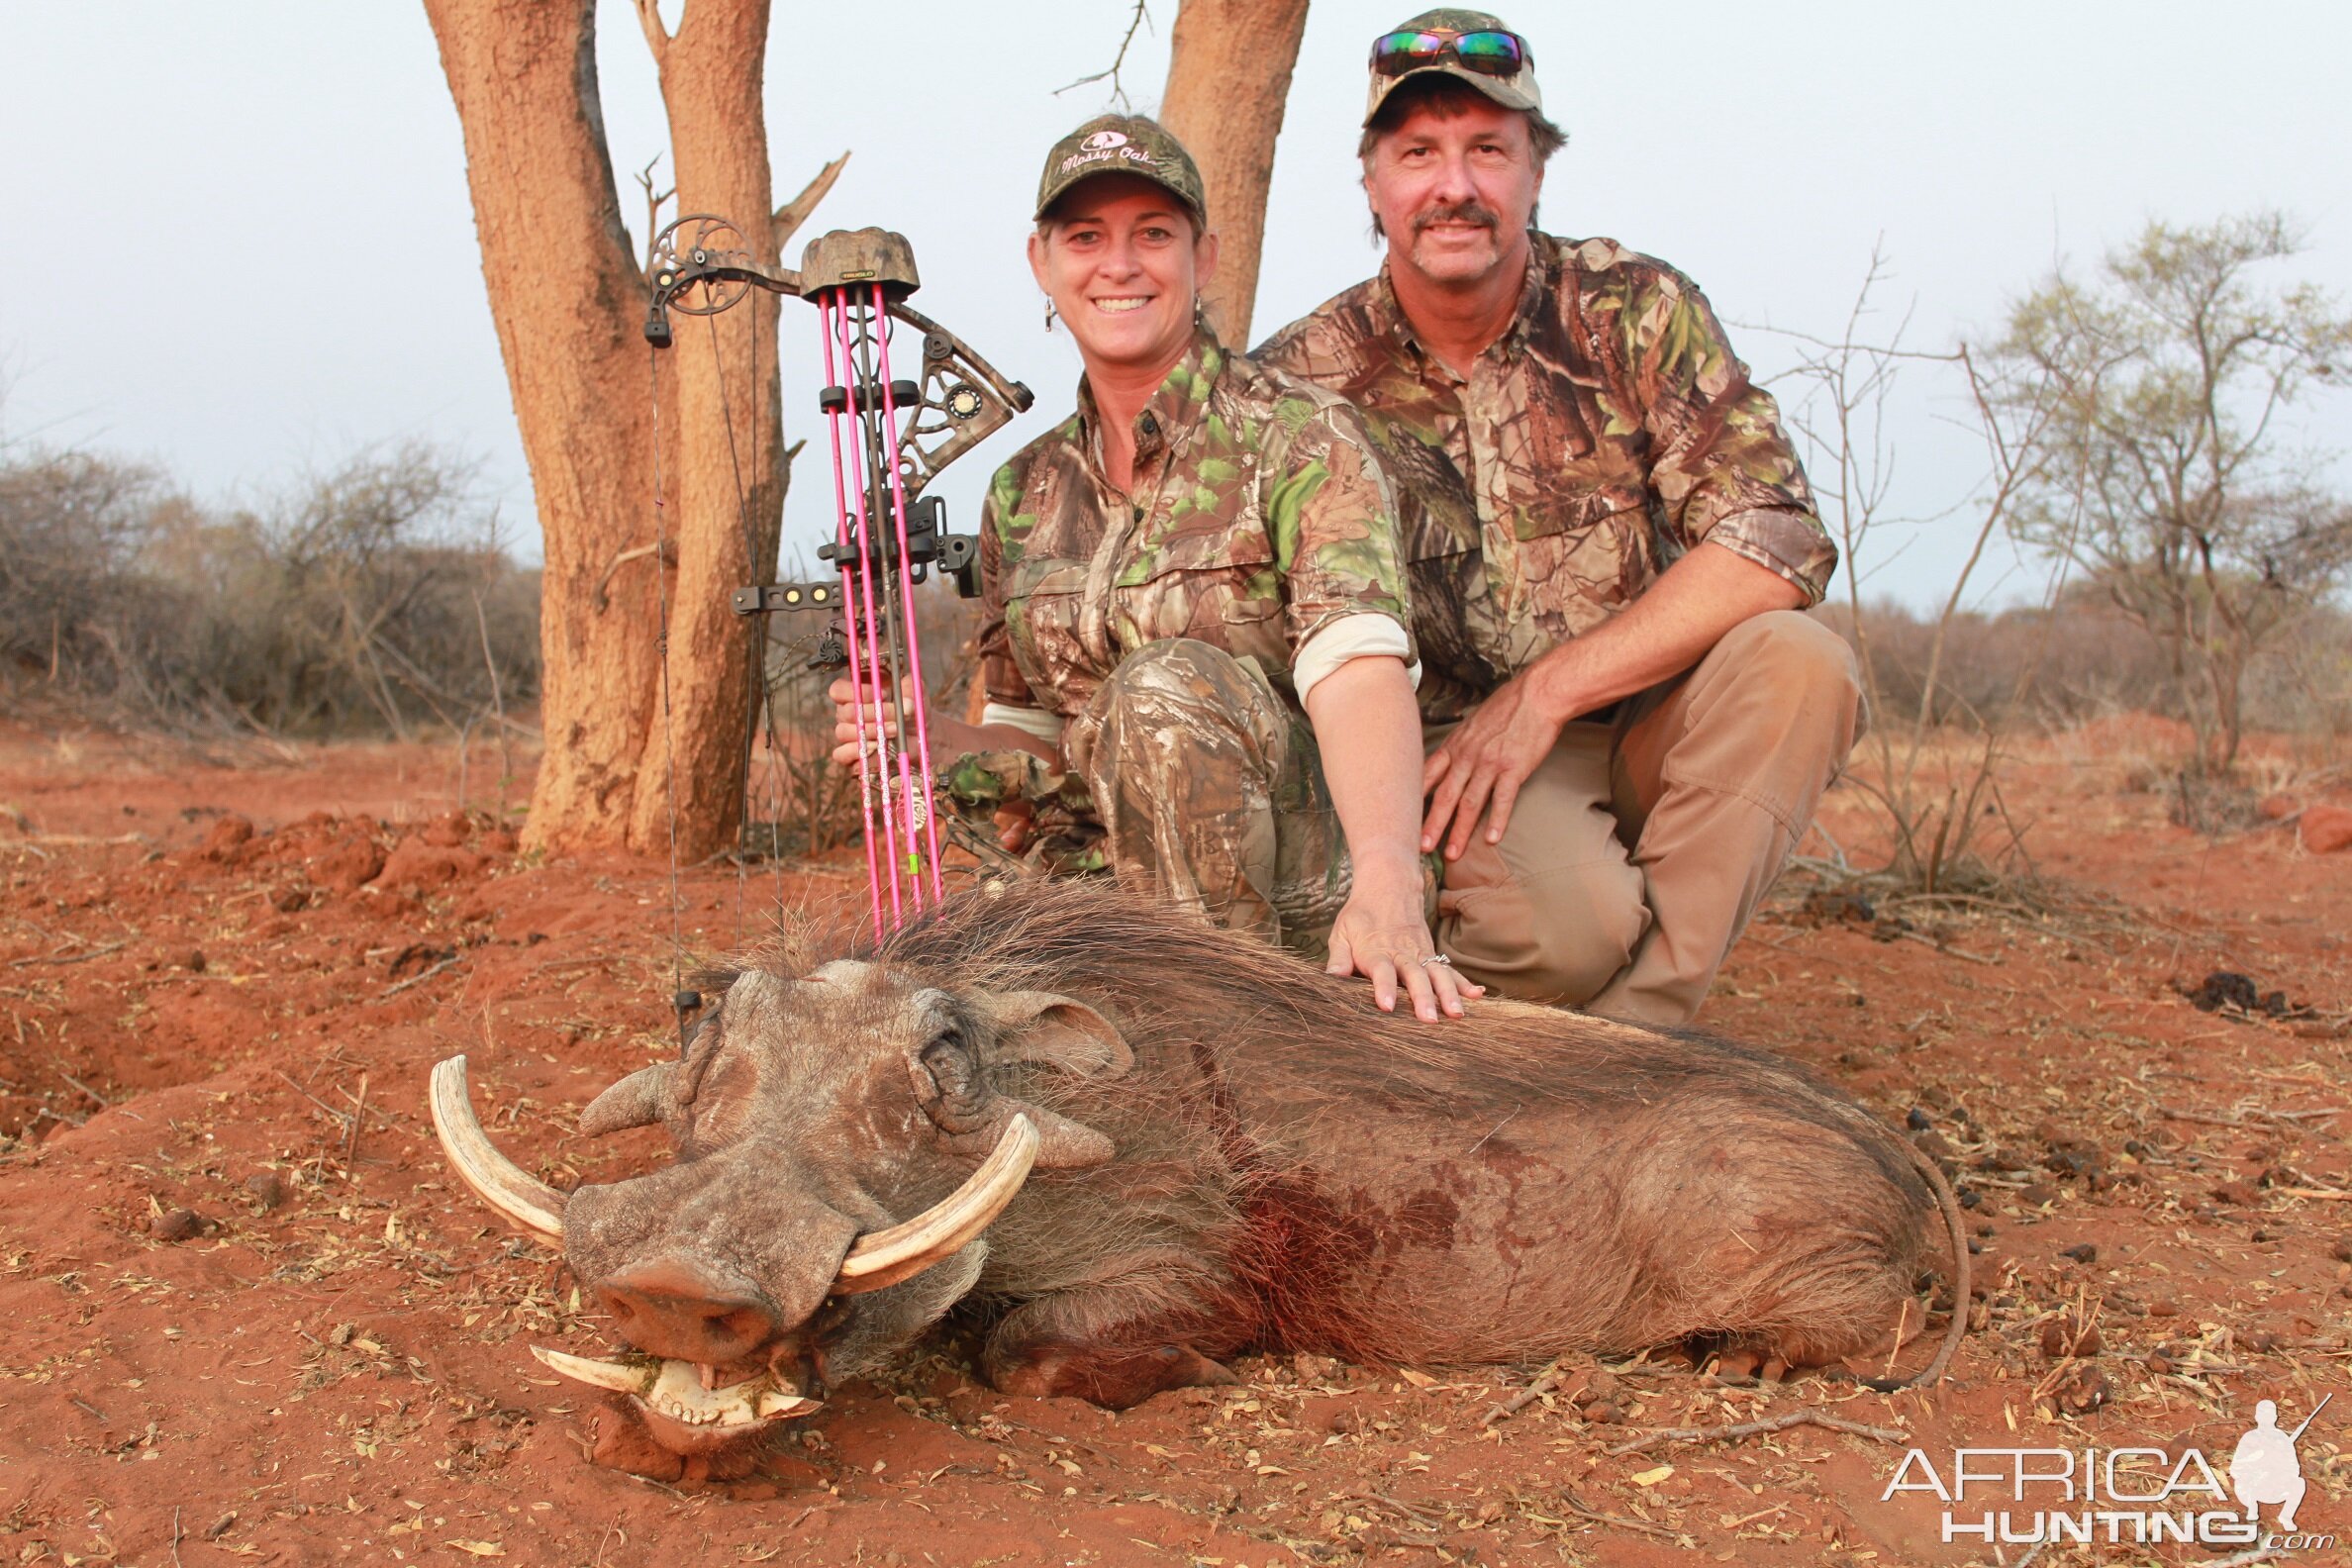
<point>1140,1146</point>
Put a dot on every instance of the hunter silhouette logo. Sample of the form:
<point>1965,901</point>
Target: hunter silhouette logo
<point>2264,1467</point>
<point>2135,1495</point>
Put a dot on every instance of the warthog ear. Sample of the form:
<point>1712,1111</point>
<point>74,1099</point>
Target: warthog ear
<point>956,1093</point>
<point>1054,1031</point>
<point>639,1099</point>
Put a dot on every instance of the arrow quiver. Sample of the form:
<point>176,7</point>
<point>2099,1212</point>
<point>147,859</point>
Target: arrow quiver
<point>893,425</point>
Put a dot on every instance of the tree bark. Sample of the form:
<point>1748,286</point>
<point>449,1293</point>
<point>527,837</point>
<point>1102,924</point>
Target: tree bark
<point>568,299</point>
<point>1228,81</point>
<point>726,487</point>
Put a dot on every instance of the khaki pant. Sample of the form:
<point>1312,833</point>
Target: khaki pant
<point>1638,849</point>
<point>1635,856</point>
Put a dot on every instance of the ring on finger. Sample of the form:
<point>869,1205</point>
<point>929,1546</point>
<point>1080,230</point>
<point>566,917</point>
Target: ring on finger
<point>1439,958</point>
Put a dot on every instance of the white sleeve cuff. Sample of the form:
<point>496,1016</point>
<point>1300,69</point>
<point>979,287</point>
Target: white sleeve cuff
<point>1032,721</point>
<point>1365,633</point>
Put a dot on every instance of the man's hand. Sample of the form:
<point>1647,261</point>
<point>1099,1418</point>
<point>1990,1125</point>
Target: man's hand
<point>1384,939</point>
<point>1015,820</point>
<point>1480,767</point>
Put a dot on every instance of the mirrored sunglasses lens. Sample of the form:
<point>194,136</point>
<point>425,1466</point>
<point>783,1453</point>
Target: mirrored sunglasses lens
<point>1403,51</point>
<point>1491,53</point>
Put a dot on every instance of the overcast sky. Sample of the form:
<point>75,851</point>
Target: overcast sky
<point>237,238</point>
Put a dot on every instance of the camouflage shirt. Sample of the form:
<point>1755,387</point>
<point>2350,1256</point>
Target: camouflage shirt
<point>1259,515</point>
<point>1605,433</point>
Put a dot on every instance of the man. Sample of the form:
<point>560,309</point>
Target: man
<point>1609,539</point>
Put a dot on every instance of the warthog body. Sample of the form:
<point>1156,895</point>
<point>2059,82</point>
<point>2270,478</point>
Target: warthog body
<point>1233,1151</point>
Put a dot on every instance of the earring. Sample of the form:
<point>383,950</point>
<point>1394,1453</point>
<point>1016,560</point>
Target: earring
<point>1049,315</point>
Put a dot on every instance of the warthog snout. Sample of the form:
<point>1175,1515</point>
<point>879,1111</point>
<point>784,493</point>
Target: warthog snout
<point>681,1309</point>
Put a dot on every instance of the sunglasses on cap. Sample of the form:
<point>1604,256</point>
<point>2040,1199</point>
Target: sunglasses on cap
<point>1491,53</point>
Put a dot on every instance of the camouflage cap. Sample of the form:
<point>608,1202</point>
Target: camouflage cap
<point>1512,92</point>
<point>1114,144</point>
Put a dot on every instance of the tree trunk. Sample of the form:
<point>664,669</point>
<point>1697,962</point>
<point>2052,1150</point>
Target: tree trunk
<point>2225,677</point>
<point>568,299</point>
<point>726,487</point>
<point>1229,80</point>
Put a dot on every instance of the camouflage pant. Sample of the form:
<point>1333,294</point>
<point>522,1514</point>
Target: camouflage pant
<point>1188,775</point>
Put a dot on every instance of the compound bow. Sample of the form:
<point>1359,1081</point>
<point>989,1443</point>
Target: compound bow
<point>889,537</point>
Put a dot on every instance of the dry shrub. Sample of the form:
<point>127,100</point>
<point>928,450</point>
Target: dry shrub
<point>71,526</point>
<point>2079,662</point>
<point>365,600</point>
<point>2301,685</point>
<point>2032,667</point>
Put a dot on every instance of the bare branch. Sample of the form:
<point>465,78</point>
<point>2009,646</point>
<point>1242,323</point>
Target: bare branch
<point>1140,18</point>
<point>506,766</point>
<point>1849,343</point>
<point>657,36</point>
<point>1809,1417</point>
<point>794,212</point>
<point>1845,419</point>
<point>653,202</point>
<point>669,557</point>
<point>1537,1386</point>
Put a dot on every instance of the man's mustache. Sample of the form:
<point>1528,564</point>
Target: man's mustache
<point>1469,211</point>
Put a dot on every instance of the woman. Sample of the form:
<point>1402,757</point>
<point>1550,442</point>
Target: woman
<point>1196,601</point>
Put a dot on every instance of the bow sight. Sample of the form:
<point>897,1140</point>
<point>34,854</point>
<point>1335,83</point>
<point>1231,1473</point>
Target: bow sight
<point>889,536</point>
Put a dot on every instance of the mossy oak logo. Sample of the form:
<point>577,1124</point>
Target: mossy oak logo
<point>2122,1496</point>
<point>1105,146</point>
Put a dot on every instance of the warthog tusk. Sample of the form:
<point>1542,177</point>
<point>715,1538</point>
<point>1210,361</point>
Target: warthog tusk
<point>946,1227</point>
<point>621,1377</point>
<point>674,1389</point>
<point>514,1192</point>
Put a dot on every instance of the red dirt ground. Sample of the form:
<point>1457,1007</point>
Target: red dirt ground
<point>225,1038</point>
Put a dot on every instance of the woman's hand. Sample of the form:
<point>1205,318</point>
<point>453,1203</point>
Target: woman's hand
<point>1382,936</point>
<point>880,719</point>
<point>1370,735</point>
